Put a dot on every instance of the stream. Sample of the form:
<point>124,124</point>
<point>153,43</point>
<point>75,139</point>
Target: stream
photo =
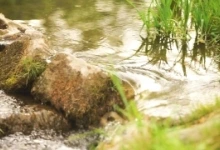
<point>106,34</point>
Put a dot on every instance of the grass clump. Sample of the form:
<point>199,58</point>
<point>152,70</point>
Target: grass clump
<point>169,25</point>
<point>202,113</point>
<point>31,68</point>
<point>21,78</point>
<point>130,111</point>
<point>155,137</point>
<point>206,19</point>
<point>198,131</point>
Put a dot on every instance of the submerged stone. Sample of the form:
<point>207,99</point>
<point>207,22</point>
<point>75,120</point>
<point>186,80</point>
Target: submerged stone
<point>82,91</point>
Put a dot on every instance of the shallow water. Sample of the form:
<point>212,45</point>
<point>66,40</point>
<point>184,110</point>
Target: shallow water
<point>106,33</point>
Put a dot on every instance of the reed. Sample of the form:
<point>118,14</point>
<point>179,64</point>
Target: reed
<point>168,22</point>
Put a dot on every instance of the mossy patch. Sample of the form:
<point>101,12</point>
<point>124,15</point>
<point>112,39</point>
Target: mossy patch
<point>11,81</point>
<point>31,68</point>
<point>18,71</point>
<point>84,93</point>
<point>27,70</point>
<point>9,59</point>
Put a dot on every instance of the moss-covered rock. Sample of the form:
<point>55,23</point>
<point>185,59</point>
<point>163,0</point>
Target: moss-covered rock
<point>23,51</point>
<point>82,91</point>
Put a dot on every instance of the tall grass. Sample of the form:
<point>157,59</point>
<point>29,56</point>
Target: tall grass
<point>139,133</point>
<point>130,111</point>
<point>169,16</point>
<point>205,16</point>
<point>168,22</point>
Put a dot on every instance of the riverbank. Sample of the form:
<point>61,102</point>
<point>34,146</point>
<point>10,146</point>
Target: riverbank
<point>197,131</point>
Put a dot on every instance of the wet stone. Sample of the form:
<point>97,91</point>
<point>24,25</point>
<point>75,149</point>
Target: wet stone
<point>27,125</point>
<point>8,105</point>
<point>37,140</point>
<point>84,139</point>
<point>48,140</point>
<point>2,47</point>
<point>3,24</point>
<point>18,117</point>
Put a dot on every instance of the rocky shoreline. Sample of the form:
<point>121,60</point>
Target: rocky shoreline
<point>75,91</point>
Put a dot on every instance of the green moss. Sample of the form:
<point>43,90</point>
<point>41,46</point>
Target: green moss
<point>11,81</point>
<point>23,74</point>
<point>31,68</point>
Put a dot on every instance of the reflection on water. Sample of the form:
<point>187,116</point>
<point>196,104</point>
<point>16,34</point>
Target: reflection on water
<point>160,47</point>
<point>81,25</point>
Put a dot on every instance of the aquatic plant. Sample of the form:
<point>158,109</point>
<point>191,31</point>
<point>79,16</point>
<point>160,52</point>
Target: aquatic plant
<point>168,23</point>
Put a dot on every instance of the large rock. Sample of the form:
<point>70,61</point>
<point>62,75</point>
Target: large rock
<point>23,51</point>
<point>80,90</point>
